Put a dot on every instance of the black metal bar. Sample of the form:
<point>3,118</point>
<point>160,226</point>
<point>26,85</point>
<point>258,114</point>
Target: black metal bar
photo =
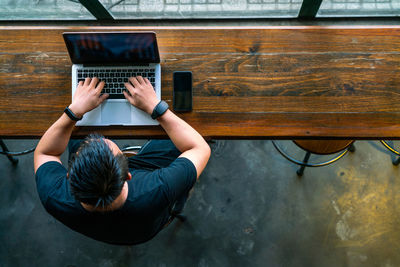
<point>305,161</point>
<point>352,148</point>
<point>309,9</point>
<point>181,217</point>
<point>140,21</point>
<point>389,145</point>
<point>5,149</point>
<point>301,163</point>
<point>97,9</point>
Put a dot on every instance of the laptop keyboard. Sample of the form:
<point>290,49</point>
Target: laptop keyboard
<point>115,78</point>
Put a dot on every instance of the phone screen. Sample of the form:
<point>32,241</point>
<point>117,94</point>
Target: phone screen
<point>182,91</point>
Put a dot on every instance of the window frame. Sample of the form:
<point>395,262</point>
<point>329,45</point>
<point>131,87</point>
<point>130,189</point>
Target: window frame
<point>308,11</point>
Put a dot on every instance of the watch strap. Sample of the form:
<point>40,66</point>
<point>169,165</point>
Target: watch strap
<point>159,109</point>
<point>71,115</point>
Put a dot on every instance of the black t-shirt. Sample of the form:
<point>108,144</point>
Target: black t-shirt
<point>145,212</point>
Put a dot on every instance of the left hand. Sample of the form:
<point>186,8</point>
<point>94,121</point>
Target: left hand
<point>142,94</point>
<point>87,96</point>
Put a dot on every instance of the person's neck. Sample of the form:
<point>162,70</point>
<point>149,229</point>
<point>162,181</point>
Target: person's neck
<point>116,204</point>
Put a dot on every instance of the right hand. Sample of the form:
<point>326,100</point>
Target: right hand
<point>87,96</point>
<point>142,94</point>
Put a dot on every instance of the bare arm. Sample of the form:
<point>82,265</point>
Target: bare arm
<point>55,140</point>
<point>186,139</point>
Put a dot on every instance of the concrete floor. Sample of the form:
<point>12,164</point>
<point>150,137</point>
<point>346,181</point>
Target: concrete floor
<point>248,209</point>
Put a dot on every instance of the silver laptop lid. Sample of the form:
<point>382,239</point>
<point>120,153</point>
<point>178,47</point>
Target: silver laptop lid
<point>112,48</point>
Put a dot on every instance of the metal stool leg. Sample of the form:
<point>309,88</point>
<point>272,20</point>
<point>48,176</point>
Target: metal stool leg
<point>396,161</point>
<point>5,149</point>
<point>352,148</point>
<point>180,217</point>
<point>305,160</point>
<point>389,145</point>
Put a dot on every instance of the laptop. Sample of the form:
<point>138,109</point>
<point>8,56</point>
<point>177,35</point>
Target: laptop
<point>113,57</point>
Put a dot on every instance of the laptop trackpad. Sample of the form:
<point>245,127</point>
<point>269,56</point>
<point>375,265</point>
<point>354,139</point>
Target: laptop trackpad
<point>115,113</point>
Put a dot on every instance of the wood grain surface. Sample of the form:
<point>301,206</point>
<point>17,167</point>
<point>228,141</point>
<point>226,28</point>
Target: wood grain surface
<point>261,82</point>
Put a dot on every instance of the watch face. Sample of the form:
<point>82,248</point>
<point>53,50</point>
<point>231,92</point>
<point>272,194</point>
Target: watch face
<point>160,109</point>
<point>71,115</point>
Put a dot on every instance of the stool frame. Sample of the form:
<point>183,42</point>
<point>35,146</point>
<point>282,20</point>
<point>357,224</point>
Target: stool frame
<point>391,149</point>
<point>305,163</point>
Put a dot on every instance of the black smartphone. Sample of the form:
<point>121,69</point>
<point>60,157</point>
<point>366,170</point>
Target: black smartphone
<point>182,94</point>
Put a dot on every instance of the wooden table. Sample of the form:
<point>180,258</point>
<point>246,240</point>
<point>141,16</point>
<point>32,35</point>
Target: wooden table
<point>258,82</point>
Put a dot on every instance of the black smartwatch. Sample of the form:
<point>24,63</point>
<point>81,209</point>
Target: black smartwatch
<point>71,115</point>
<point>160,109</point>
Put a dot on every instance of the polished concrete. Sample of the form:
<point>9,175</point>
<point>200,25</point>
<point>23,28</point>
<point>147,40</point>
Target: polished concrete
<point>249,208</point>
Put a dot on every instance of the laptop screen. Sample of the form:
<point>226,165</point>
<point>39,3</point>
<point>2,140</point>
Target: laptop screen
<point>112,48</point>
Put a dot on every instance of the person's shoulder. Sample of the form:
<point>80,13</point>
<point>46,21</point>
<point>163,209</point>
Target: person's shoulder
<point>143,181</point>
<point>184,164</point>
<point>179,176</point>
<point>50,172</point>
<point>50,176</point>
<point>50,167</point>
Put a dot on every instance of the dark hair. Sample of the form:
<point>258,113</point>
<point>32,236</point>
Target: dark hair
<point>96,174</point>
